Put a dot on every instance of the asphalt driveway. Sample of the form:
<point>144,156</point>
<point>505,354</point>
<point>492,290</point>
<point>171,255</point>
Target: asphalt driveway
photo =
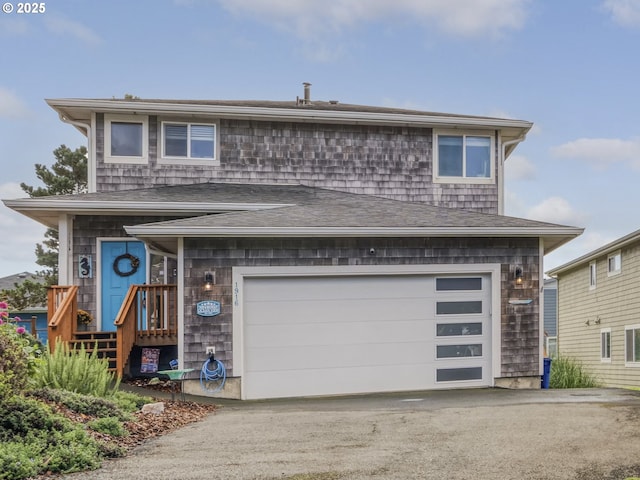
<point>464,434</point>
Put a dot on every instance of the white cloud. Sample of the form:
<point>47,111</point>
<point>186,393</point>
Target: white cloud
<point>11,106</point>
<point>19,235</point>
<point>313,19</point>
<point>556,210</point>
<point>624,12</point>
<point>601,151</point>
<point>64,26</point>
<point>518,167</point>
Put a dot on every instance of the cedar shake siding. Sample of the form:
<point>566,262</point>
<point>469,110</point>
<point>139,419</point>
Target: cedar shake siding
<point>520,352</point>
<point>389,161</point>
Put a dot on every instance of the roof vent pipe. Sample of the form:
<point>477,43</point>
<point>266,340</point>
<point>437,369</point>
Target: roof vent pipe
<point>307,93</point>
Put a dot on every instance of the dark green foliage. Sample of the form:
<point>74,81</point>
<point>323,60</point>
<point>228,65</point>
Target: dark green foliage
<point>18,460</point>
<point>85,404</point>
<point>33,439</point>
<point>109,425</point>
<point>68,175</point>
<point>21,416</point>
<point>26,294</point>
<point>129,401</point>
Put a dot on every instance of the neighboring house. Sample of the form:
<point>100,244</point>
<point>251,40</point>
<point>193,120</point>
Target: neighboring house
<point>320,248</point>
<point>34,319</point>
<point>551,316</point>
<point>598,321</point>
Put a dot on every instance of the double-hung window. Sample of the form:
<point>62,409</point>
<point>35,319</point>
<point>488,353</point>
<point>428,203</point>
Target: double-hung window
<point>189,141</point>
<point>463,157</point>
<point>632,345</point>
<point>125,139</point>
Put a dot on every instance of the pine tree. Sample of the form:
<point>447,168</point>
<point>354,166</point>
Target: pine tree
<point>67,175</point>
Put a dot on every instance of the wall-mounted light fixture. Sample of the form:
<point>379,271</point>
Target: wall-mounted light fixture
<point>209,280</point>
<point>517,275</point>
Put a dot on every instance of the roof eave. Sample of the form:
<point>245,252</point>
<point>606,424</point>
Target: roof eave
<point>47,210</point>
<point>553,237</point>
<point>594,254</point>
<point>67,106</point>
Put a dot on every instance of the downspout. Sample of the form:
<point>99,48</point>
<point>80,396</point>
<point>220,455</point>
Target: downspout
<point>91,183</point>
<point>501,177</point>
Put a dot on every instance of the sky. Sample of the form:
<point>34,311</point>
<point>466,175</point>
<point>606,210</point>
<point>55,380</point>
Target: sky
<point>571,67</point>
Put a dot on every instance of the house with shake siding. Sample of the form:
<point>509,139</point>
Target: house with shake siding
<point>319,248</point>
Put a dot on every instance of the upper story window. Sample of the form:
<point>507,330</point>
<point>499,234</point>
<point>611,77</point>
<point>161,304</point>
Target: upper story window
<point>189,141</point>
<point>125,139</point>
<point>614,264</point>
<point>592,275</point>
<point>463,158</point>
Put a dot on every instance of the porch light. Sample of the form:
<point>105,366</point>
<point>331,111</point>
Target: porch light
<point>209,281</point>
<point>518,275</point>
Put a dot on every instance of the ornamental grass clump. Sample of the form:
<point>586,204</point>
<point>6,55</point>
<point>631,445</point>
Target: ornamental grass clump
<point>567,372</point>
<point>77,371</point>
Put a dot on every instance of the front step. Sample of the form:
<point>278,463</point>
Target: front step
<point>106,342</point>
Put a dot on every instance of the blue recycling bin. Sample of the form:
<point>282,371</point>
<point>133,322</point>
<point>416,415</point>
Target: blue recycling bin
<point>546,375</point>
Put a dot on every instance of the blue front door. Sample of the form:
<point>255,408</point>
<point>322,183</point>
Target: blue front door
<point>123,264</point>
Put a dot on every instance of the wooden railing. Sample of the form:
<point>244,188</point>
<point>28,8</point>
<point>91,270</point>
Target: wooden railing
<point>62,312</point>
<point>148,315</point>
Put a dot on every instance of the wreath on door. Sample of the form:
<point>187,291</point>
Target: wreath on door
<point>134,263</point>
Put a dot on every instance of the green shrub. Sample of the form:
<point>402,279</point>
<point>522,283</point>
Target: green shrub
<point>108,425</point>
<point>33,440</point>
<point>23,416</point>
<point>85,404</point>
<point>19,354</point>
<point>129,401</point>
<point>18,461</point>
<point>76,371</point>
<point>567,372</point>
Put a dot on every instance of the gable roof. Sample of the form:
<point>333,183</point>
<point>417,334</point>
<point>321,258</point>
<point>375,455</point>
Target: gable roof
<point>611,247</point>
<point>227,209</point>
<point>80,110</point>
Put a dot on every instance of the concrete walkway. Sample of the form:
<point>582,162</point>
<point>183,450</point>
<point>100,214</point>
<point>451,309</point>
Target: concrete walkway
<point>462,434</point>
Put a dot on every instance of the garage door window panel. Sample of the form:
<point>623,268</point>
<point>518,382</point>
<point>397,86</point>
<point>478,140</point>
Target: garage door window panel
<point>458,374</point>
<point>459,308</point>
<point>458,329</point>
<point>459,351</point>
<point>458,284</point>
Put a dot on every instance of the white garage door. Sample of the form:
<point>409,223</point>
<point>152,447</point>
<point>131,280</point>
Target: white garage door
<point>323,335</point>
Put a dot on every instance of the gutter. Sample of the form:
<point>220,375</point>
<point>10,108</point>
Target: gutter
<point>195,231</point>
<point>78,207</point>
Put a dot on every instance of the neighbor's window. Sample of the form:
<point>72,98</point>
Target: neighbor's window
<point>614,264</point>
<point>632,344</point>
<point>189,140</point>
<point>125,139</point>
<point>464,157</point>
<point>592,275</point>
<point>605,345</point>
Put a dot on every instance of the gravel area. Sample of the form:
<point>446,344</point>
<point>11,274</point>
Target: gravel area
<point>475,434</point>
